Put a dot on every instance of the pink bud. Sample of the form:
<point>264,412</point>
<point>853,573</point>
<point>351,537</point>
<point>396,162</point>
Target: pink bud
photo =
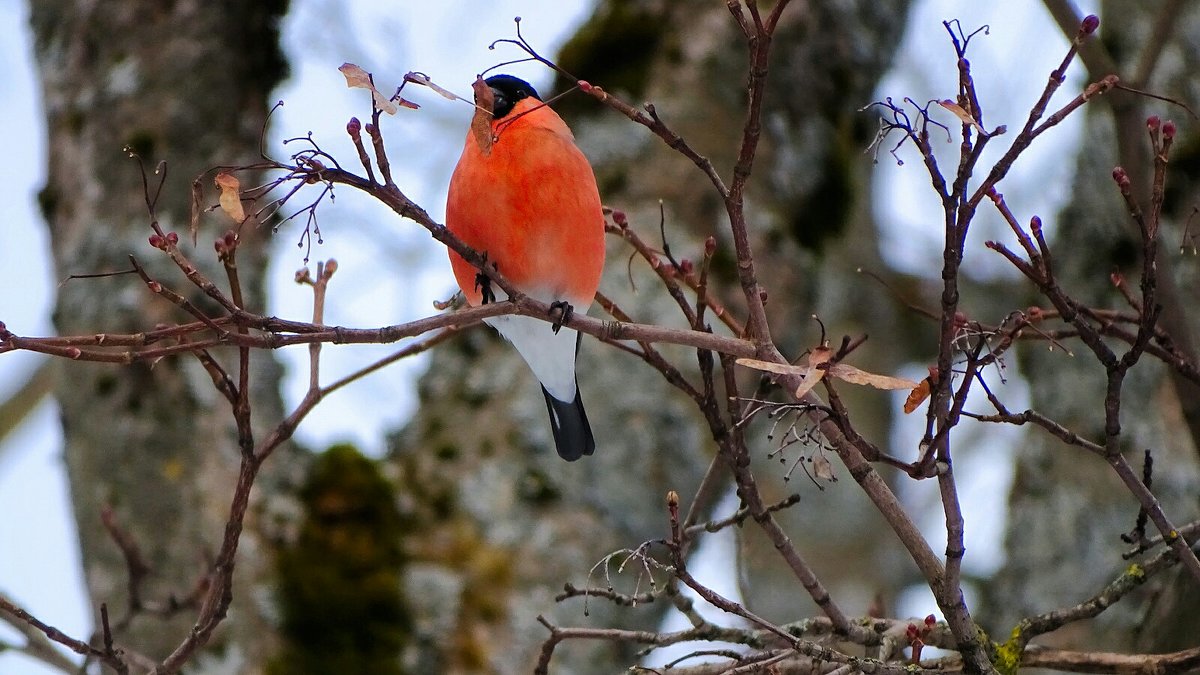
<point>157,241</point>
<point>710,245</point>
<point>1089,24</point>
<point>1121,177</point>
<point>172,238</point>
<point>1153,122</point>
<point>620,218</point>
<point>1168,129</point>
<point>353,127</point>
<point>584,86</point>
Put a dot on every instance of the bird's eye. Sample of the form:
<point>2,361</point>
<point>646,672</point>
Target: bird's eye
<point>501,105</point>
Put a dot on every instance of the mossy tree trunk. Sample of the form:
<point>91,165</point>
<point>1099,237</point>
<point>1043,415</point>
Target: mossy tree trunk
<point>187,83</point>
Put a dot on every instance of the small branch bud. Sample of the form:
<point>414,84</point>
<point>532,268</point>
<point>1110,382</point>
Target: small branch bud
<point>157,241</point>
<point>584,86</point>
<point>1168,129</point>
<point>620,218</point>
<point>710,245</point>
<point>1089,24</point>
<point>1121,177</point>
<point>1153,122</point>
<point>172,238</point>
<point>354,127</point>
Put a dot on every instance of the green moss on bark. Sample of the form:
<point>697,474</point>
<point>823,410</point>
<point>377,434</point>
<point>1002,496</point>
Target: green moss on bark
<point>340,582</point>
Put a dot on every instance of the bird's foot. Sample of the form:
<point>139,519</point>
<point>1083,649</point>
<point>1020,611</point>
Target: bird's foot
<point>564,311</point>
<point>483,284</point>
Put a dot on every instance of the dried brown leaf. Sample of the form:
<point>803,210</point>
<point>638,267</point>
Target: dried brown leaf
<point>917,396</point>
<point>772,367</point>
<point>961,114</point>
<point>356,77</point>
<point>821,468</point>
<point>423,80</point>
<point>231,200</point>
<point>197,198</point>
<point>856,376</point>
<point>817,366</point>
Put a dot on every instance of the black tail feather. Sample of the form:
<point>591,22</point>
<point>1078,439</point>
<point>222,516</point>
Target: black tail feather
<point>572,433</point>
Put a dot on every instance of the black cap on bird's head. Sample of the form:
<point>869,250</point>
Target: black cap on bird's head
<point>508,90</point>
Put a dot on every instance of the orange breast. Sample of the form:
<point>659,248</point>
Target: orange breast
<point>531,204</point>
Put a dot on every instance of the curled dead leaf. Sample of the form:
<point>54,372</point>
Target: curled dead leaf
<point>481,122</point>
<point>817,366</point>
<point>855,376</point>
<point>231,199</point>
<point>423,80</point>
<point>356,77</point>
<point>822,468</point>
<point>961,114</point>
<point>917,396</point>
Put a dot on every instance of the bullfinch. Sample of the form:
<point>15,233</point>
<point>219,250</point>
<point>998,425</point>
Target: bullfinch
<point>524,195</point>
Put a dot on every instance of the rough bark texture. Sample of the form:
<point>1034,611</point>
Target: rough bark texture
<point>186,82</point>
<point>507,521</point>
<point>1068,508</point>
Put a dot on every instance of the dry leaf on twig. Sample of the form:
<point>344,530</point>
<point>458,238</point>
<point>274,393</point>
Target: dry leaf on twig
<point>231,200</point>
<point>961,114</point>
<point>357,77</point>
<point>817,366</point>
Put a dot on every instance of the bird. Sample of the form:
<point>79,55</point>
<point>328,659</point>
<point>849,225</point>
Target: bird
<point>524,196</point>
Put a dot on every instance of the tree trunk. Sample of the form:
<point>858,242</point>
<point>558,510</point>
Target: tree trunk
<point>185,82</point>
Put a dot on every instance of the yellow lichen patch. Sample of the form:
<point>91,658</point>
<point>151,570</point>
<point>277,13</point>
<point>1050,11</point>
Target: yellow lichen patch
<point>1008,655</point>
<point>172,470</point>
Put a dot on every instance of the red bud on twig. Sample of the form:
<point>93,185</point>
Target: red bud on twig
<point>1121,177</point>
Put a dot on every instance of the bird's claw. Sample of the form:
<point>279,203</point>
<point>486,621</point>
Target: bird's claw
<point>483,284</point>
<point>564,311</point>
